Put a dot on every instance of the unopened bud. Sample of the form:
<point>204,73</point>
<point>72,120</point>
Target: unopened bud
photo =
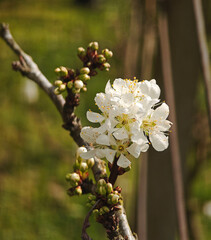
<point>89,64</point>
<point>92,197</point>
<point>101,58</point>
<point>62,87</point>
<point>93,45</point>
<point>106,65</point>
<point>84,77</point>
<point>78,190</point>
<point>78,84</point>
<point>84,70</point>
<point>101,182</point>
<point>70,84</point>
<point>57,70</point>
<point>101,211</point>
<point>73,177</point>
<point>58,83</point>
<point>56,91</point>
<point>84,89</point>
<point>115,199</point>
<point>83,167</point>
<point>76,90</point>
<point>89,205</point>
<point>81,150</point>
<point>107,53</point>
<point>109,187</point>
<point>106,209</point>
<point>90,162</point>
<point>95,213</point>
<point>64,71</point>
<point>81,52</point>
<point>102,190</point>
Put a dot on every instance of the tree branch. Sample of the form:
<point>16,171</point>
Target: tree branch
<point>29,68</point>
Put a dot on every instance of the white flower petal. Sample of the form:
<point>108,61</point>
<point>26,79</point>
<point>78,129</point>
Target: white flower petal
<point>103,139</point>
<point>154,90</point>
<point>123,161</point>
<point>159,141</point>
<point>139,137</point>
<point>88,134</point>
<point>110,154</point>
<point>119,85</point>
<point>121,134</point>
<point>87,155</point>
<point>161,112</point>
<point>94,117</point>
<point>134,149</point>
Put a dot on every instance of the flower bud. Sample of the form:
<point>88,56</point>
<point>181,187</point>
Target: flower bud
<point>90,162</point>
<point>93,45</point>
<point>81,150</point>
<point>81,52</point>
<point>91,197</point>
<point>84,89</point>
<point>83,167</point>
<point>95,213</point>
<point>78,84</point>
<point>89,205</point>
<point>57,71</point>
<point>84,70</point>
<point>56,91</point>
<point>58,83</point>
<point>62,87</point>
<point>109,187</point>
<point>76,165</point>
<point>107,53</point>
<point>93,202</point>
<point>101,211</point>
<point>73,177</point>
<point>102,190</point>
<point>63,71</point>
<point>78,190</point>
<point>89,64</point>
<point>115,199</point>
<point>106,209</point>
<point>101,58</point>
<point>101,182</point>
<point>106,65</point>
<point>84,77</point>
<point>74,90</point>
<point>70,84</point>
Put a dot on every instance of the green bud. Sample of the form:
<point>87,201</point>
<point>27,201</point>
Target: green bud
<point>83,167</point>
<point>109,187</point>
<point>101,211</point>
<point>56,91</point>
<point>84,77</point>
<point>101,182</point>
<point>74,90</point>
<point>92,197</point>
<point>93,202</point>
<point>106,65</point>
<point>107,69</point>
<point>78,84</point>
<point>115,199</point>
<point>101,58</point>
<point>73,177</point>
<point>102,190</point>
<point>90,162</point>
<point>81,52</point>
<point>93,45</point>
<point>84,70</point>
<point>57,71</point>
<point>95,213</point>
<point>84,89</point>
<point>107,53</point>
<point>70,84</point>
<point>63,71</point>
<point>78,190</point>
<point>62,87</point>
<point>89,64</point>
<point>89,205</point>
<point>58,83</point>
<point>106,209</point>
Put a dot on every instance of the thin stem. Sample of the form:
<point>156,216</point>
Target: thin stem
<point>114,172</point>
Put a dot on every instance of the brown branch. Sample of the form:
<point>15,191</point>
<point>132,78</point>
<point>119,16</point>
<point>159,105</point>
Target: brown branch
<point>29,68</point>
<point>204,53</point>
<point>175,151</point>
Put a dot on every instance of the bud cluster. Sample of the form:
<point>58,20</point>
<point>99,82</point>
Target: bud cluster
<point>109,197</point>
<point>76,80</point>
<point>80,173</point>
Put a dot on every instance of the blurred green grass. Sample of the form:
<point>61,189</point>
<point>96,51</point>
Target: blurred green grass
<point>35,152</point>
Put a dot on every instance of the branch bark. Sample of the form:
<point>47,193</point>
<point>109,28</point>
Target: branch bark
<point>29,68</point>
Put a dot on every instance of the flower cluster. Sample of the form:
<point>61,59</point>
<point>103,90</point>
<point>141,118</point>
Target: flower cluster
<point>132,117</point>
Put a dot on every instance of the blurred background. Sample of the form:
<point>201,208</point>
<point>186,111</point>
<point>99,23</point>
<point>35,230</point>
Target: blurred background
<point>36,152</point>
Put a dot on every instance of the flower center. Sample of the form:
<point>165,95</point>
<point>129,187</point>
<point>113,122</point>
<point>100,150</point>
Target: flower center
<point>148,125</point>
<point>124,121</point>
